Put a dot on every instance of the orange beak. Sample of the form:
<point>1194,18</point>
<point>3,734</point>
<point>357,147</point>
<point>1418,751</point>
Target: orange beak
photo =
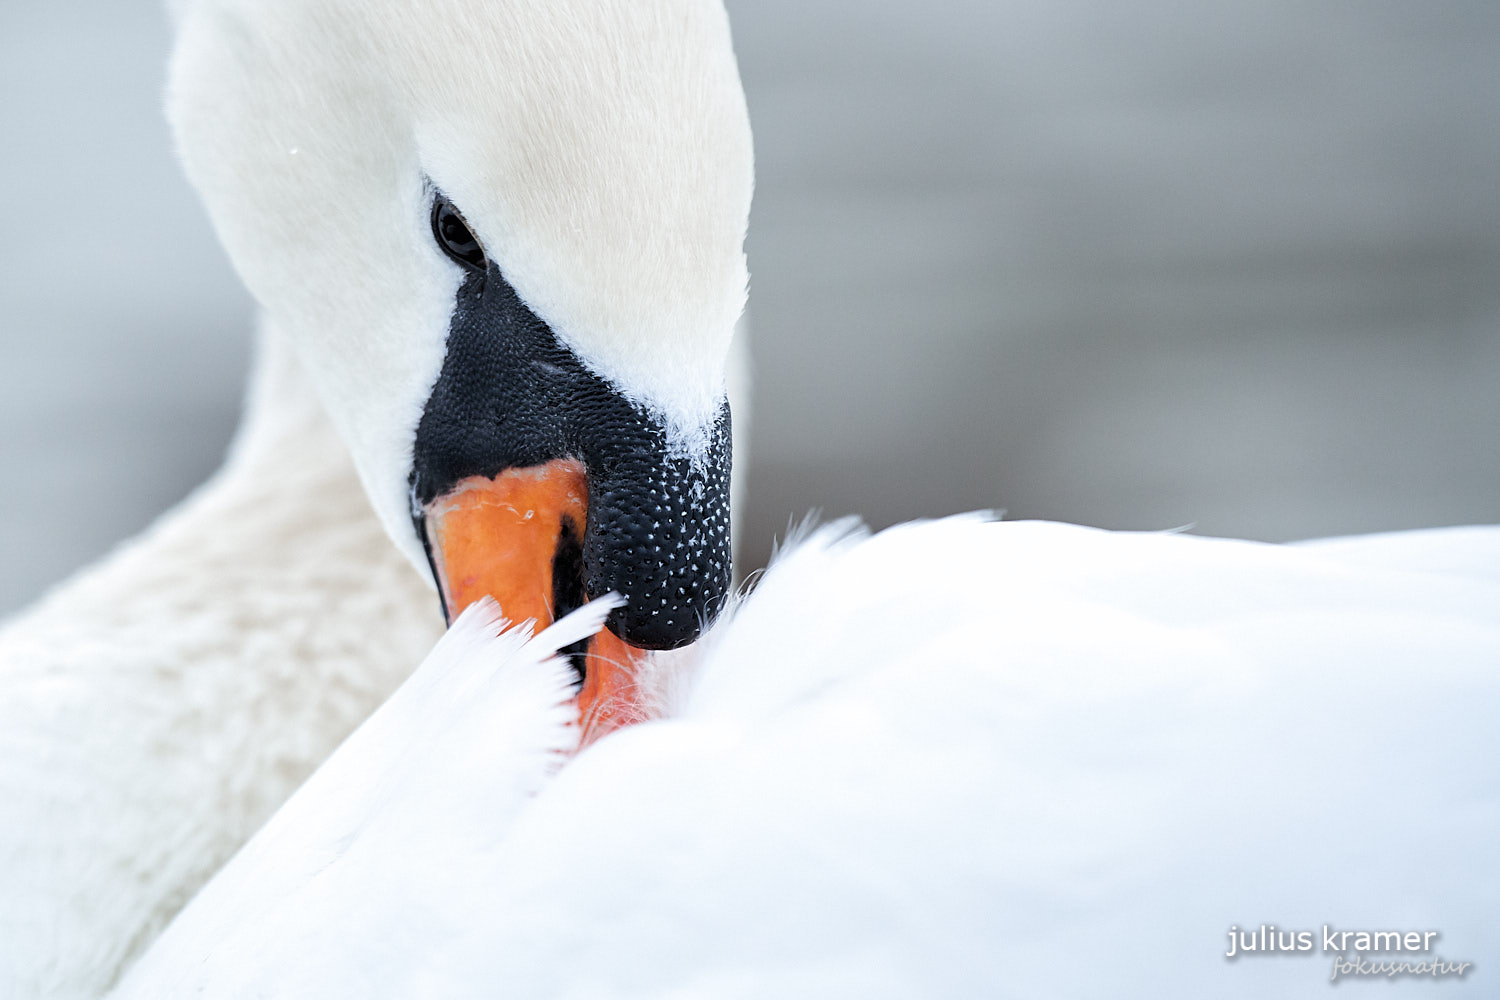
<point>518,538</point>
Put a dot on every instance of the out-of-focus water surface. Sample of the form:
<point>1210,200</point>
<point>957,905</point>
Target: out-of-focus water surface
<point>1132,263</point>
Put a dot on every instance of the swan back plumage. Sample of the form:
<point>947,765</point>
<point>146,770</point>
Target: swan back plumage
<point>953,758</point>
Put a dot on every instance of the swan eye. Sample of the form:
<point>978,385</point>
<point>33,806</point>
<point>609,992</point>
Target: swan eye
<point>453,235</point>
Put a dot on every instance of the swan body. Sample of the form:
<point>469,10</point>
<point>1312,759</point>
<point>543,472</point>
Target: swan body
<point>997,758</point>
<point>902,767</point>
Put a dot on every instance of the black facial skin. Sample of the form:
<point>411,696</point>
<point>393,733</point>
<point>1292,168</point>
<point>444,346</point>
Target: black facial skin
<point>511,396</point>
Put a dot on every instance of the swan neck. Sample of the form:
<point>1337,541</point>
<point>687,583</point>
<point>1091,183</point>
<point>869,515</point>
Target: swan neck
<point>281,407</point>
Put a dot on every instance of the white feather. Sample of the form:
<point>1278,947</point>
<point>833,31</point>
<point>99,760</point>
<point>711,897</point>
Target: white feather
<point>332,869</point>
<point>960,758</point>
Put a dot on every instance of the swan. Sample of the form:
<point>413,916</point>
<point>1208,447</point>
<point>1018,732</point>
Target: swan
<point>498,254</point>
<point>495,248</point>
<point>998,758</point>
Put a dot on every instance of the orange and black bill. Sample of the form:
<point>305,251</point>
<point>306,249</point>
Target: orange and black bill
<point>519,539</point>
<point>537,482</point>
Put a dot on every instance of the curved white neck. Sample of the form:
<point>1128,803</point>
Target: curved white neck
<point>281,409</point>
<point>157,707</point>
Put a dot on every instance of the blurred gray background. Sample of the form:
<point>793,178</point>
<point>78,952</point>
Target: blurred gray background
<point>1133,263</point>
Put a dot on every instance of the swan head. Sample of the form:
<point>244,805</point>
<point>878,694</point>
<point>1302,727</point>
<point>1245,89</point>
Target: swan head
<point>506,241</point>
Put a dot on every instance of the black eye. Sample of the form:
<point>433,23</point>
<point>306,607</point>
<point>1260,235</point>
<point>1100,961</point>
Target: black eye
<point>452,234</point>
